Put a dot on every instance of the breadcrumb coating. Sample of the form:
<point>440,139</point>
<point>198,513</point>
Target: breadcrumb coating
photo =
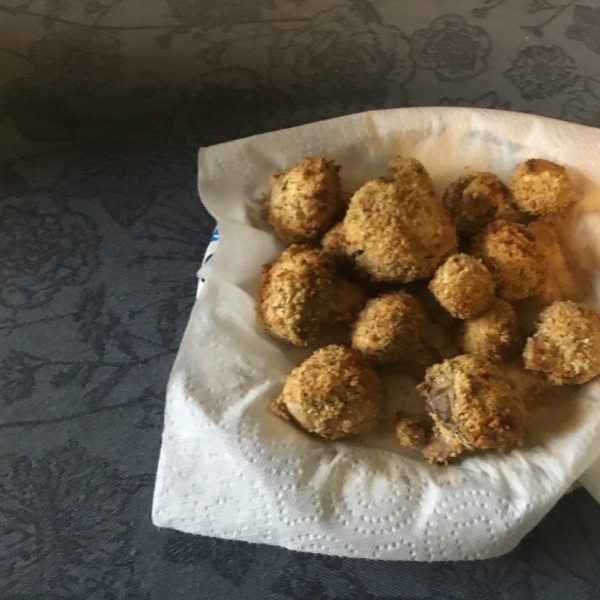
<point>510,253</point>
<point>494,334</point>
<point>409,172</point>
<point>333,394</point>
<point>566,345</point>
<point>293,293</point>
<point>305,200</point>
<point>541,187</point>
<point>474,405</point>
<point>279,409</point>
<point>390,329</point>
<point>345,301</point>
<point>412,431</point>
<point>559,283</point>
<point>336,245</point>
<point>442,447</point>
<point>463,286</point>
<point>398,233</point>
<point>477,199</point>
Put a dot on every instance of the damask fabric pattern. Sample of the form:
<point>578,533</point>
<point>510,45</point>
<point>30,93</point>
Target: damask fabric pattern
<point>103,104</point>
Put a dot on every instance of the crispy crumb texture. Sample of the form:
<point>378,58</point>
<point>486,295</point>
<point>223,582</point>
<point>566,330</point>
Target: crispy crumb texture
<point>510,253</point>
<point>566,345</point>
<point>494,334</point>
<point>463,286</point>
<point>397,233</point>
<point>559,283</point>
<point>305,200</point>
<point>293,293</point>
<point>412,431</point>
<point>333,394</point>
<point>541,187</point>
<point>409,172</point>
<point>335,244</point>
<point>389,329</point>
<point>474,405</point>
<point>345,301</point>
<point>477,199</point>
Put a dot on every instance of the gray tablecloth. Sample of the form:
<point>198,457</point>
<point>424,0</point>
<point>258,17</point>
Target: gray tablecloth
<point>103,104</point>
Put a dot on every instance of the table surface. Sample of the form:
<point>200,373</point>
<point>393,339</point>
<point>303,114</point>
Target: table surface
<point>102,107</point>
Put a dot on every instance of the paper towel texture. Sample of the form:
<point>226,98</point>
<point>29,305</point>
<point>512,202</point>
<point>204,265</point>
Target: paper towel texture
<point>229,468</point>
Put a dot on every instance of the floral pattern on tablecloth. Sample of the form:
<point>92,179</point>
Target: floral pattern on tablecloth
<point>103,104</point>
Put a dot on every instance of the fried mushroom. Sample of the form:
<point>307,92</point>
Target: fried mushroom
<point>566,345</point>
<point>463,286</point>
<point>494,334</point>
<point>334,393</point>
<point>389,329</point>
<point>345,301</point>
<point>510,253</point>
<point>293,294</point>
<point>541,187</point>
<point>409,172</point>
<point>412,431</point>
<point>474,405</point>
<point>335,244</point>
<point>476,199</point>
<point>398,233</point>
<point>559,283</point>
<point>305,200</point>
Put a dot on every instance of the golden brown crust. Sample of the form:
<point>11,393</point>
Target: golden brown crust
<point>559,283</point>
<point>541,187</point>
<point>474,405</point>
<point>334,241</point>
<point>336,245</point>
<point>510,253</point>
<point>305,200</point>
<point>334,393</point>
<point>463,286</point>
<point>398,233</point>
<point>494,334</point>
<point>291,302</point>
<point>279,409</point>
<point>345,301</point>
<point>477,199</point>
<point>442,447</point>
<point>389,328</point>
<point>566,345</point>
<point>412,431</point>
<point>409,172</point>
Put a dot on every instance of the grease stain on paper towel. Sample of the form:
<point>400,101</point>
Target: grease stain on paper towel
<point>489,138</point>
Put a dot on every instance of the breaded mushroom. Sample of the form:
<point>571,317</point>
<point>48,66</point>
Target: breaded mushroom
<point>335,244</point>
<point>541,187</point>
<point>412,431</point>
<point>566,345</point>
<point>305,200</point>
<point>463,286</point>
<point>345,301</point>
<point>398,233</point>
<point>293,294</point>
<point>559,283</point>
<point>334,393</point>
<point>474,405</point>
<point>510,253</point>
<point>494,334</point>
<point>477,199</point>
<point>409,172</point>
<point>389,329</point>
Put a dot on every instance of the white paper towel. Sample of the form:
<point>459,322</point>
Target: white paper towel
<point>229,468</point>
